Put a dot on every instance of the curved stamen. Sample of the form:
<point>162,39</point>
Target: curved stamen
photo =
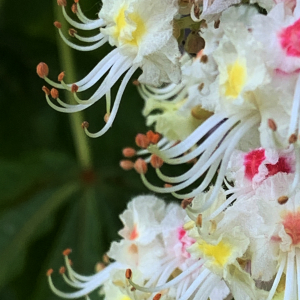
<point>81,16</point>
<point>115,106</point>
<point>90,39</point>
<point>193,16</point>
<point>93,25</point>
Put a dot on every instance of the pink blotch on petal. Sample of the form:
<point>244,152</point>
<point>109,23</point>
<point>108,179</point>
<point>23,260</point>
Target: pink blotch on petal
<point>289,39</point>
<point>185,240</point>
<point>291,225</point>
<point>252,161</point>
<point>134,233</point>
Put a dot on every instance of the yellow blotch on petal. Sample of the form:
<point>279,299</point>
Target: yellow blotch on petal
<point>219,253</point>
<point>237,74</point>
<point>121,22</point>
<point>125,297</point>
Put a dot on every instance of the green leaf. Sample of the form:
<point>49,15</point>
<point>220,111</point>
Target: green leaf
<point>23,224</point>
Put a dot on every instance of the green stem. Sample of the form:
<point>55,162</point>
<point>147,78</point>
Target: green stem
<point>67,63</point>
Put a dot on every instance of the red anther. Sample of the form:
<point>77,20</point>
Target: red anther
<point>62,2</point>
<point>153,137</point>
<point>156,161</point>
<point>157,297</point>
<point>106,117</point>
<point>42,70</point>
<point>72,32</point>
<point>128,274</point>
<point>140,166</point>
<point>49,272</point>
<point>126,165</point>
<point>67,252</point>
<point>167,185</point>
<point>204,59</point>
<point>272,125</point>
<point>57,24</point>
<point>282,200</point>
<point>293,138</point>
<point>62,270</point>
<point>46,90</point>
<point>61,76</point>
<point>74,88</point>
<point>142,141</point>
<point>135,82</point>
<point>129,152</point>
<point>74,8</point>
<point>186,202</point>
<point>54,93</point>
<point>85,124</point>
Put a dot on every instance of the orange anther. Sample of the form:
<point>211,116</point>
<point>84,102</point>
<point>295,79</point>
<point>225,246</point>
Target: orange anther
<point>126,165</point>
<point>282,200</point>
<point>129,152</point>
<point>186,202</point>
<point>135,82</point>
<point>272,125</point>
<point>140,166</point>
<point>74,88</point>
<point>42,70</point>
<point>46,90</point>
<point>61,76</point>
<point>167,185</point>
<point>142,141</point>
<point>74,8</point>
<point>62,2</point>
<point>49,272</point>
<point>85,124</point>
<point>62,270</point>
<point>153,137</point>
<point>157,297</point>
<point>72,32</point>
<point>57,24</point>
<point>67,252</point>
<point>156,161</point>
<point>54,93</point>
<point>128,274</point>
<point>293,138</point>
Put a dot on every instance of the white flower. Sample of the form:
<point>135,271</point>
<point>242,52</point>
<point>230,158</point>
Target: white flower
<point>142,31</point>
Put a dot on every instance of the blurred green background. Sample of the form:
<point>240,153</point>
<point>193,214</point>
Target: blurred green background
<point>48,201</point>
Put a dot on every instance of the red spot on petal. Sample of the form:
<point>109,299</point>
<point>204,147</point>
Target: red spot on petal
<point>185,240</point>
<point>281,166</point>
<point>289,39</point>
<point>291,225</point>
<point>252,161</point>
<point>134,233</point>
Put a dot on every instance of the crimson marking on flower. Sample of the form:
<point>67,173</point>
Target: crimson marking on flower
<point>290,39</point>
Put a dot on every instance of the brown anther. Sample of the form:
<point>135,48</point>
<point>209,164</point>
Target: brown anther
<point>106,117</point>
<point>186,202</point>
<point>153,137</point>
<point>199,220</point>
<point>293,138</point>
<point>74,8</point>
<point>200,86</point>
<point>42,70</point>
<point>282,200</point>
<point>62,2</point>
<point>128,152</point>
<point>140,166</point>
<point>85,124</point>
<point>99,266</point>
<point>157,297</point>
<point>57,24</point>
<point>168,185</point>
<point>217,24</point>
<point>72,32</point>
<point>133,289</point>
<point>67,252</point>
<point>156,161</point>
<point>61,76</point>
<point>46,90</point>
<point>272,125</point>
<point>204,59</point>
<point>74,88</point>
<point>106,259</point>
<point>142,141</point>
<point>128,274</point>
<point>126,164</point>
<point>54,93</point>
<point>199,113</point>
<point>135,82</point>
<point>49,272</point>
<point>194,43</point>
<point>62,270</point>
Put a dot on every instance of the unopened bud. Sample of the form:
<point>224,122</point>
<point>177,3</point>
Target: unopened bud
<point>140,166</point>
<point>142,141</point>
<point>129,152</point>
<point>62,2</point>
<point>57,24</point>
<point>156,161</point>
<point>282,200</point>
<point>42,70</point>
<point>126,165</point>
<point>61,76</point>
<point>54,93</point>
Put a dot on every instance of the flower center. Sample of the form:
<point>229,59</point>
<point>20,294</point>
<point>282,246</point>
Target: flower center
<point>289,39</point>
<point>252,161</point>
<point>219,253</point>
<point>291,225</point>
<point>128,37</point>
<point>236,79</point>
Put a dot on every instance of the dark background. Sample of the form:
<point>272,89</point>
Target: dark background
<point>47,201</point>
